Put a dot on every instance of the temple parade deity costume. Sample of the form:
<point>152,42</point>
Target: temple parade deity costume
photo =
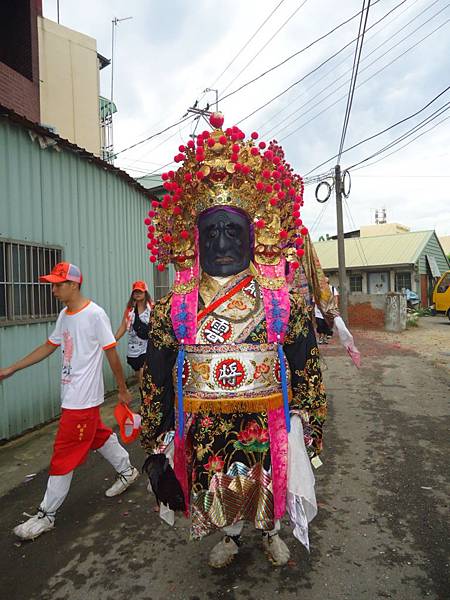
<point>232,363</point>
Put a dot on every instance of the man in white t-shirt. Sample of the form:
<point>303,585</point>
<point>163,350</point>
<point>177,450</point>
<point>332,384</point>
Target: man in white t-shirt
<point>83,331</point>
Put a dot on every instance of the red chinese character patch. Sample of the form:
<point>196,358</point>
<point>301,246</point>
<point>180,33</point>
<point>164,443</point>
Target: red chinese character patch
<point>217,331</point>
<point>229,373</point>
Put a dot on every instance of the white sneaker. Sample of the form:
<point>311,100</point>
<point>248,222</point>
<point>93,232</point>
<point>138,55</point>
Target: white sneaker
<point>33,528</point>
<point>122,483</point>
<point>223,553</point>
<point>276,550</point>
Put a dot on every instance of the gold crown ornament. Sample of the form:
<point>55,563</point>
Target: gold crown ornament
<point>218,169</point>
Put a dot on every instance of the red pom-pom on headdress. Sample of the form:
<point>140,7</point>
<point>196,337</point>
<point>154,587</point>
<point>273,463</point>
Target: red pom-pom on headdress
<point>216,120</point>
<point>221,168</point>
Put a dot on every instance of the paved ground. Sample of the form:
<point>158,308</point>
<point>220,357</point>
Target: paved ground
<point>382,529</point>
<point>431,340</point>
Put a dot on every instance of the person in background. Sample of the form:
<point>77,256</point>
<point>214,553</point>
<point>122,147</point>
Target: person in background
<point>313,285</point>
<point>135,320</point>
<point>323,331</point>
<point>335,302</point>
<point>83,331</point>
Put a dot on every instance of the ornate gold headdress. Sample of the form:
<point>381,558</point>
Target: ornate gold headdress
<point>221,169</point>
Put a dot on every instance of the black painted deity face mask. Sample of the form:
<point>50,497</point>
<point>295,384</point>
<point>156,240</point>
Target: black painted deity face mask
<point>224,238</point>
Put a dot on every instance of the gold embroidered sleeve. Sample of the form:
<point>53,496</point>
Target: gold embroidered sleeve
<point>299,319</point>
<point>157,408</point>
<point>160,325</point>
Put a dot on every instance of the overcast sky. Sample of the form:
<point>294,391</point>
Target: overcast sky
<point>173,49</point>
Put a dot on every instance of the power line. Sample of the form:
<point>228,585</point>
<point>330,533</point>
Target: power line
<point>179,122</point>
<point>246,44</point>
<point>343,23</point>
<point>267,133</point>
<point>436,114</point>
<point>400,140</point>
<point>358,243</point>
<point>136,169</point>
<point>338,182</point>
<point>139,163</point>
<point>356,61</point>
<point>238,54</point>
<point>318,219</point>
<point>314,99</point>
<point>349,214</point>
<point>327,60</point>
<point>401,176</point>
<point>150,137</point>
<point>283,62</point>
<point>160,169</point>
<point>265,45</point>
<point>412,47</point>
<point>440,111</point>
<point>197,121</point>
<point>148,173</point>
<point>149,151</point>
<point>242,49</point>
<point>317,178</point>
<point>171,162</point>
<point>396,124</point>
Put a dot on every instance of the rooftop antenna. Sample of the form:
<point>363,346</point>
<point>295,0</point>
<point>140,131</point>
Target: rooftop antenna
<point>114,23</point>
<point>380,216</point>
<point>217,96</point>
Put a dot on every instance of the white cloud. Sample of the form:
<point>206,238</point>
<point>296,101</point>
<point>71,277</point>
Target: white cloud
<point>172,50</point>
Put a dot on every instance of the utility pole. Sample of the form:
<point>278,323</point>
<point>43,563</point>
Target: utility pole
<point>341,182</point>
<point>217,96</point>
<point>114,23</point>
<point>200,112</point>
<point>203,112</point>
<point>343,300</point>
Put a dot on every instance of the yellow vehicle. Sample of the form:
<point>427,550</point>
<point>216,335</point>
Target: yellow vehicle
<point>441,295</point>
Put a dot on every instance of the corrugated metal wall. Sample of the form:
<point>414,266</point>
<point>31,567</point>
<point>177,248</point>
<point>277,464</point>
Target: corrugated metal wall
<point>57,198</point>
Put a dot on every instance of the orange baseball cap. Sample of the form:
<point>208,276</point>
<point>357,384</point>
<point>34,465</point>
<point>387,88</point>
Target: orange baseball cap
<point>128,421</point>
<point>61,272</point>
<point>140,285</point>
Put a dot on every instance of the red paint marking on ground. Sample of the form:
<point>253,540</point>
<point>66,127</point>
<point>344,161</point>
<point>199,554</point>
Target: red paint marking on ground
<point>367,345</point>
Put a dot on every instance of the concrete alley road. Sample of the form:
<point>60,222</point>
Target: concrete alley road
<point>382,529</point>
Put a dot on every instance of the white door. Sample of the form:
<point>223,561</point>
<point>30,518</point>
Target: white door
<point>378,283</point>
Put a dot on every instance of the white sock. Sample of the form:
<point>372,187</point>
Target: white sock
<point>235,529</point>
<point>57,489</point>
<point>117,456</point>
<point>275,530</point>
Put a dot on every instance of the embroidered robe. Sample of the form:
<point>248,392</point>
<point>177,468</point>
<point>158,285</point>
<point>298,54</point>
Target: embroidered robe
<point>229,451</point>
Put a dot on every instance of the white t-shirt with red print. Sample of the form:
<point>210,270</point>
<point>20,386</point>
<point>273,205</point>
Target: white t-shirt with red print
<point>82,335</point>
